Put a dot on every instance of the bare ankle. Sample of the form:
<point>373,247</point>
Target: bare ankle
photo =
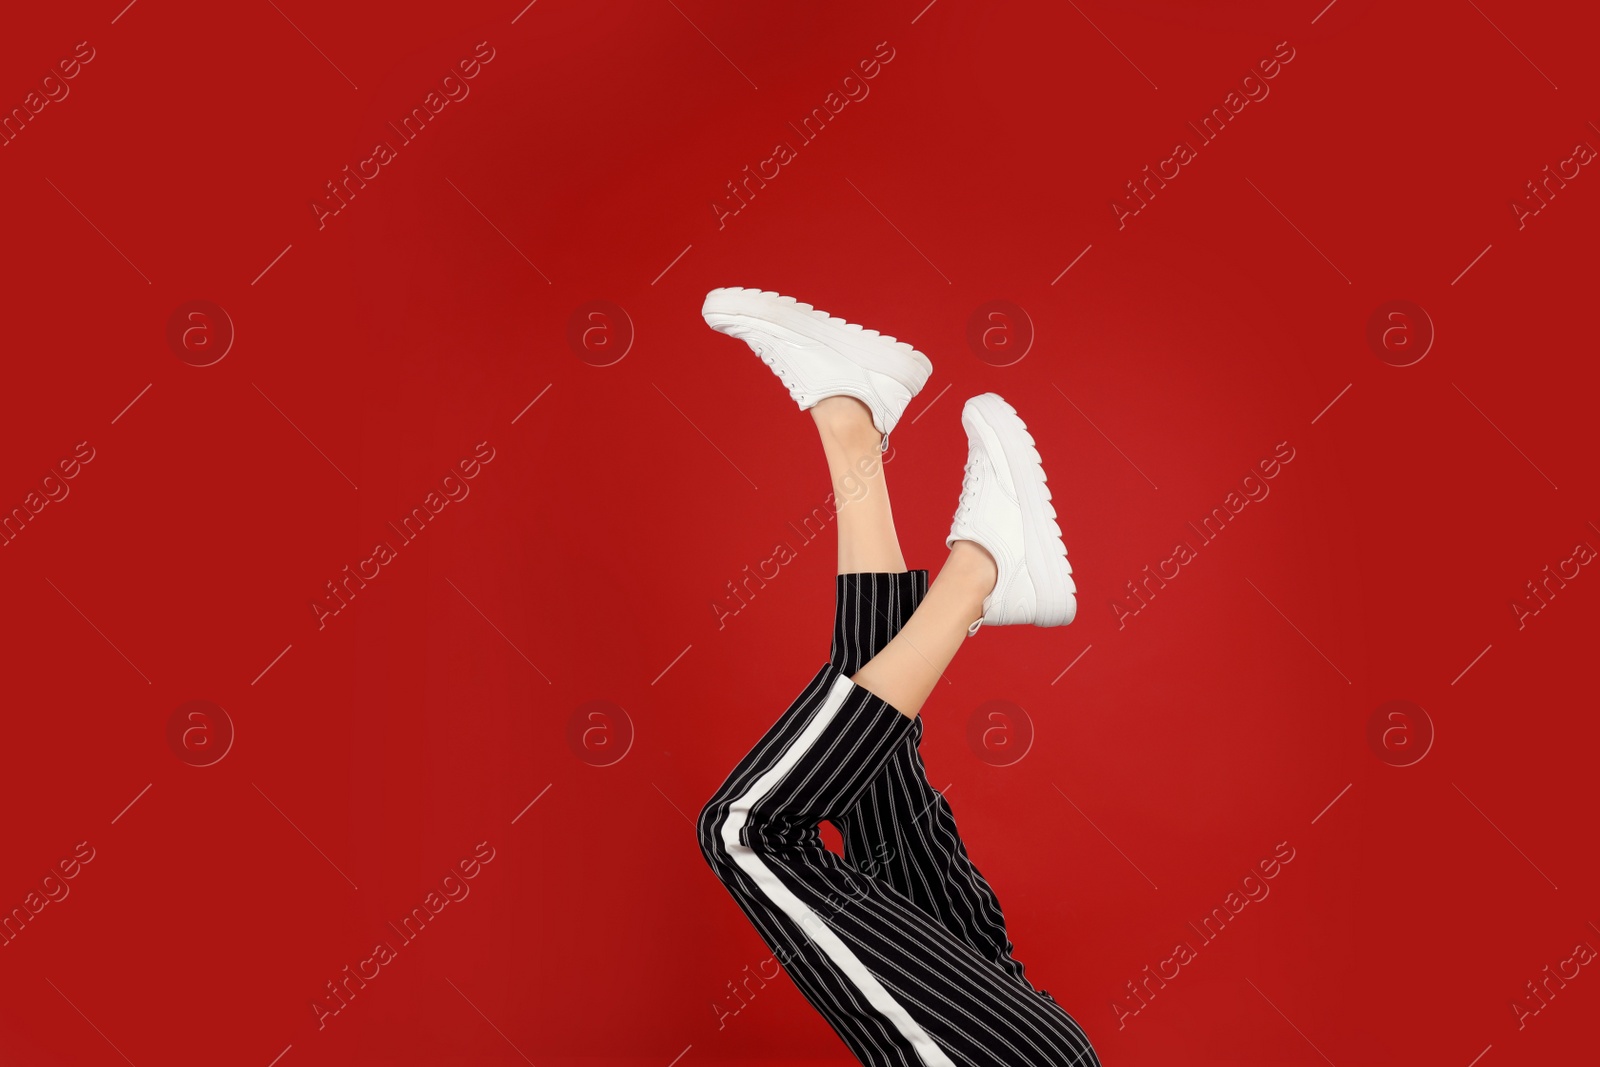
<point>973,566</point>
<point>845,418</point>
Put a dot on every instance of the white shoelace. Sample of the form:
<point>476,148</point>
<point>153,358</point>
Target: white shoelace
<point>969,476</point>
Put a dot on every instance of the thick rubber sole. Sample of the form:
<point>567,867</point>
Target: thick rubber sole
<point>869,349</point>
<point>1043,549</point>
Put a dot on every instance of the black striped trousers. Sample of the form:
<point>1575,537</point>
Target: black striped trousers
<point>901,945</point>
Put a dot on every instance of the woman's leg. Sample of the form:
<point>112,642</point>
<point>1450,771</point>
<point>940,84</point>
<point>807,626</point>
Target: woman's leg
<point>895,984</point>
<point>902,829</point>
<point>1007,563</point>
<point>911,664</point>
<point>867,538</point>
<point>906,670</point>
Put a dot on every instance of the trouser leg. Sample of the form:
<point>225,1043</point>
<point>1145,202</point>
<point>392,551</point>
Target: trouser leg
<point>896,985</point>
<point>902,828</point>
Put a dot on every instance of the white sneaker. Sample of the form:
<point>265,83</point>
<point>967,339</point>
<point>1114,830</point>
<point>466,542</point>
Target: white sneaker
<point>1005,507</point>
<point>816,355</point>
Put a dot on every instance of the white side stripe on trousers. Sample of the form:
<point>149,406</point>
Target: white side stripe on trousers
<point>792,906</point>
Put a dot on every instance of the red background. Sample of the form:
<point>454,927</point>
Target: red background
<point>373,754</point>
